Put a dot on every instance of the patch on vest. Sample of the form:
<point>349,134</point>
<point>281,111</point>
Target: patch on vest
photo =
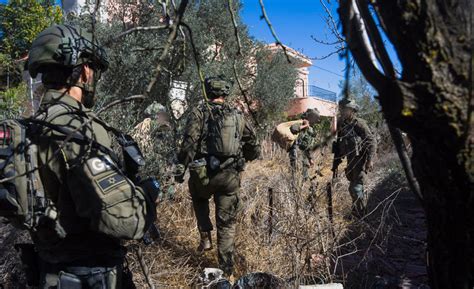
<point>99,165</point>
<point>111,181</point>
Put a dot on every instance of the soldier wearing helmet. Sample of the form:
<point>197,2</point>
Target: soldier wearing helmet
<point>306,142</point>
<point>356,143</point>
<point>217,143</point>
<point>96,203</point>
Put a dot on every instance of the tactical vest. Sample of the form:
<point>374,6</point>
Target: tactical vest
<point>350,142</point>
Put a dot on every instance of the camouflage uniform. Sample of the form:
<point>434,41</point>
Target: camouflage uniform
<point>97,204</point>
<point>155,137</point>
<point>224,184</point>
<point>306,142</point>
<point>94,205</point>
<point>356,143</point>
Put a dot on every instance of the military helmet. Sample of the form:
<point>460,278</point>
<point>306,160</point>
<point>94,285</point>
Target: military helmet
<point>217,86</point>
<point>312,115</point>
<point>154,109</point>
<point>66,46</point>
<point>348,103</point>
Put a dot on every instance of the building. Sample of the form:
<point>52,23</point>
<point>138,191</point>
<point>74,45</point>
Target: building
<point>307,96</point>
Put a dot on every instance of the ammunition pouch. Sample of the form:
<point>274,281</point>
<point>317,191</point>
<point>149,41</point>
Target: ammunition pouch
<point>30,261</point>
<point>198,170</point>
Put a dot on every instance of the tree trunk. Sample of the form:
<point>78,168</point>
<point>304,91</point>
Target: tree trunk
<point>433,103</point>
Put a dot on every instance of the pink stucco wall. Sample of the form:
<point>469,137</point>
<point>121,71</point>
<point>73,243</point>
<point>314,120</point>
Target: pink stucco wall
<point>299,105</point>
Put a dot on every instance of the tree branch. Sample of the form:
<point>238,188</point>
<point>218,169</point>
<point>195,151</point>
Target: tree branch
<point>359,44</point>
<point>169,41</point>
<point>236,31</point>
<point>270,26</point>
<point>135,29</point>
<point>244,94</point>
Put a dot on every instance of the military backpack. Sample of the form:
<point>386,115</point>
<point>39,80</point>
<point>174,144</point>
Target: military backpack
<point>224,129</point>
<point>22,198</point>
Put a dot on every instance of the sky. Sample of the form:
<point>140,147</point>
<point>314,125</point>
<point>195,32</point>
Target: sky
<point>295,22</point>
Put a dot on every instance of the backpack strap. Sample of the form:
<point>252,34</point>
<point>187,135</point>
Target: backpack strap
<point>70,135</point>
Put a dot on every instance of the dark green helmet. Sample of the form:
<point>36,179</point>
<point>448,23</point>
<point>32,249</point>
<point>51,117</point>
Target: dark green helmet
<point>348,103</point>
<point>312,115</point>
<point>217,86</point>
<point>66,46</point>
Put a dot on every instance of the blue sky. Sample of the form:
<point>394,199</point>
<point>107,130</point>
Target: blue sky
<point>294,22</point>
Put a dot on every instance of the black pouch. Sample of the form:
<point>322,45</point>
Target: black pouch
<point>29,260</point>
<point>69,281</point>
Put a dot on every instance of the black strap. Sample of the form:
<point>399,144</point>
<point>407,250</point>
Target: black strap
<point>72,135</point>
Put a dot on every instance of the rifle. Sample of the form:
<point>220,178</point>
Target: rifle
<point>330,186</point>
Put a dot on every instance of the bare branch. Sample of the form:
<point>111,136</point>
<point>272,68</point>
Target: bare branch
<point>339,50</point>
<point>270,26</point>
<point>244,94</point>
<point>236,31</point>
<point>331,22</point>
<point>121,101</point>
<point>376,40</point>
<point>196,59</point>
<point>359,44</point>
<point>135,29</point>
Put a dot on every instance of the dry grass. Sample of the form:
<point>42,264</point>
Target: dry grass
<point>295,243</point>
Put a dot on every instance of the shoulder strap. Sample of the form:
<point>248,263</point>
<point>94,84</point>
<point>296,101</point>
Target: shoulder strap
<point>71,135</point>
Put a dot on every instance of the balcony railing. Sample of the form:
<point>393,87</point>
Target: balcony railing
<point>318,92</point>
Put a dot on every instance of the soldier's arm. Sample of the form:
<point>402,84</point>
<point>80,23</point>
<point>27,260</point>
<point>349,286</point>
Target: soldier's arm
<point>192,137</point>
<point>105,196</point>
<point>251,145</point>
<point>368,139</point>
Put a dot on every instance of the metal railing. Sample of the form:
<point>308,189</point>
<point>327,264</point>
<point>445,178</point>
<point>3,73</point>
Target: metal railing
<point>315,91</point>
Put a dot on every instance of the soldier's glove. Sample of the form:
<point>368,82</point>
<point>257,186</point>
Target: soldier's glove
<point>178,173</point>
<point>151,187</point>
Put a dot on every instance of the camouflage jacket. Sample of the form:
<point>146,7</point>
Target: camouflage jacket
<point>191,147</point>
<point>97,204</point>
<point>355,141</point>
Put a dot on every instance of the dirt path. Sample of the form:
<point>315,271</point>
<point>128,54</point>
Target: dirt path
<point>389,251</point>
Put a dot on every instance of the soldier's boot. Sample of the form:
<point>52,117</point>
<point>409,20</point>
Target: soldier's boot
<point>206,242</point>
<point>359,209</point>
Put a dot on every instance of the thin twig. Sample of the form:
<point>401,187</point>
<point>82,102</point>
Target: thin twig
<point>244,94</point>
<point>121,101</point>
<point>135,29</point>
<point>196,59</point>
<point>270,26</point>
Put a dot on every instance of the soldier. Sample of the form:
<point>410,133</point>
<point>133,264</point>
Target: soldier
<point>95,204</point>
<point>155,137</point>
<point>306,141</point>
<point>356,143</point>
<point>216,144</point>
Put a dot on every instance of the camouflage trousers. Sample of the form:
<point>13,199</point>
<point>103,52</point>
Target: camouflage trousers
<point>305,163</point>
<point>224,186</point>
<point>356,176</point>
